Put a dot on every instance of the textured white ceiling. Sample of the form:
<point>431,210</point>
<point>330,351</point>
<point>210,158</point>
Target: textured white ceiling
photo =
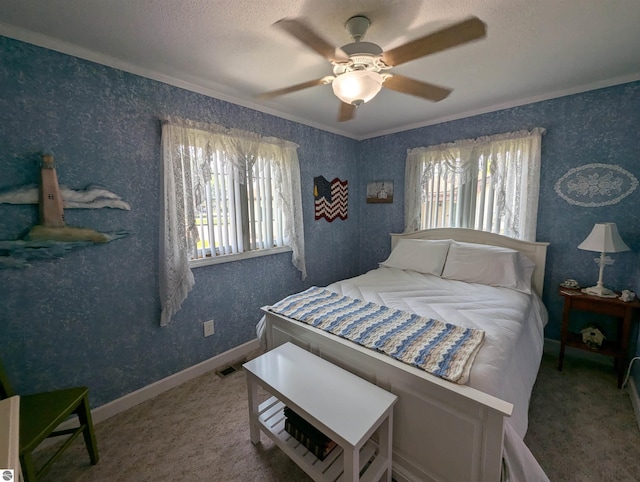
<point>228,49</point>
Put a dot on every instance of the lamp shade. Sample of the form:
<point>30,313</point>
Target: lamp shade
<point>604,238</point>
<point>357,87</point>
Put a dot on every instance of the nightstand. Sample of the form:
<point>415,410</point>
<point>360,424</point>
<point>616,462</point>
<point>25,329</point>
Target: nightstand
<point>574,299</point>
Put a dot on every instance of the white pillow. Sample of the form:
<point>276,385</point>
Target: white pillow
<point>527,267</point>
<point>489,265</point>
<point>421,255</point>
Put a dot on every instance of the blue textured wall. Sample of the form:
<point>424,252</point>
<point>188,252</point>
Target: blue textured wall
<point>595,127</point>
<point>600,126</point>
<point>92,318</point>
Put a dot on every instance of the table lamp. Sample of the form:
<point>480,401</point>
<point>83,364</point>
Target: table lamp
<point>604,238</point>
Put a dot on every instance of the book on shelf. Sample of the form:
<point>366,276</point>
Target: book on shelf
<point>320,451</point>
<point>308,429</point>
<point>313,439</point>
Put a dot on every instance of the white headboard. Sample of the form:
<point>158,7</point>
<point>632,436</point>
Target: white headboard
<point>534,250</point>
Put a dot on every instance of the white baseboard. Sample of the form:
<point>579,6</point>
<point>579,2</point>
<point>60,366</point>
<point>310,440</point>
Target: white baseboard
<point>132,399</point>
<point>635,398</point>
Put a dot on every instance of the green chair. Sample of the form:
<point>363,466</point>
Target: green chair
<point>40,415</point>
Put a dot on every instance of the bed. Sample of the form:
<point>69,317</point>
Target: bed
<point>445,430</point>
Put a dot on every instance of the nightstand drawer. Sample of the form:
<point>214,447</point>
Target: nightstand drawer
<point>610,307</point>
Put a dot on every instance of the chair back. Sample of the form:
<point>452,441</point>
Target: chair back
<point>5,387</point>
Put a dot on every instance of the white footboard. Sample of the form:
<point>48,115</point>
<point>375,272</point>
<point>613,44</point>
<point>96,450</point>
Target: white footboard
<point>442,431</point>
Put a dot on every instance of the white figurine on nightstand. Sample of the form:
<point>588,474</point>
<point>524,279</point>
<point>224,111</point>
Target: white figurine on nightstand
<point>627,295</point>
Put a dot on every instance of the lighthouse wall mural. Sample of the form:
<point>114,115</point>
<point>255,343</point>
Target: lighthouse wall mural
<point>53,237</point>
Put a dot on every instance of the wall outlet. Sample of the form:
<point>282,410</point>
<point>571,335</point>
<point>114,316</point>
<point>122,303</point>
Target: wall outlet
<point>208,328</point>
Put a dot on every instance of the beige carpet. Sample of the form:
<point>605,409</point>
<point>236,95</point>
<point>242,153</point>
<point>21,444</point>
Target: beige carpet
<point>582,428</point>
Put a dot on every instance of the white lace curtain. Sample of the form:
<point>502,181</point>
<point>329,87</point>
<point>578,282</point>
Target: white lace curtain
<point>183,181</point>
<point>514,178</point>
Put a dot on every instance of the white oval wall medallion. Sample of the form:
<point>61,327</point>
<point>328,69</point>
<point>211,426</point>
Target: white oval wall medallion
<point>594,185</point>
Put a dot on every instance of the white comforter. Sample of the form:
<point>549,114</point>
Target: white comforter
<point>507,364</point>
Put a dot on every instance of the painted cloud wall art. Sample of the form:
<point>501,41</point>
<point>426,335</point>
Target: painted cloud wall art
<point>93,196</point>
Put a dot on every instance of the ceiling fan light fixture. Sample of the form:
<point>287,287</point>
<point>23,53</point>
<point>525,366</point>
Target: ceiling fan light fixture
<point>357,87</point>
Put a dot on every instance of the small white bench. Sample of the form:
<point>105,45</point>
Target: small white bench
<point>343,406</point>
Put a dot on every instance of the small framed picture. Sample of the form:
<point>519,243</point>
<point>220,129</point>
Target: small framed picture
<point>380,192</point>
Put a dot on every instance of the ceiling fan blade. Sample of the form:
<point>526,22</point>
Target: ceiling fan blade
<point>292,88</point>
<point>465,31</point>
<point>305,34</point>
<point>405,85</point>
<point>347,112</point>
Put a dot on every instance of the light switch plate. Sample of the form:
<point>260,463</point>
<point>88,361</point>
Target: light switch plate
<point>208,328</point>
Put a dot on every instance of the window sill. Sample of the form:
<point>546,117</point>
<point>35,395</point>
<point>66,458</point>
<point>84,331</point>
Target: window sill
<point>228,258</point>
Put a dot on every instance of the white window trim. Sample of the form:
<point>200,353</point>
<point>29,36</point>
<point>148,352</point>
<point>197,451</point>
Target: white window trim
<point>229,258</point>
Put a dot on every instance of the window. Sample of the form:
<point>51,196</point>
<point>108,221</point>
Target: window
<point>228,194</point>
<point>490,184</point>
<point>235,208</point>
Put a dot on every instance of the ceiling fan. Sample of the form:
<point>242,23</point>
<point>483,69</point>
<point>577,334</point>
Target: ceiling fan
<point>360,69</point>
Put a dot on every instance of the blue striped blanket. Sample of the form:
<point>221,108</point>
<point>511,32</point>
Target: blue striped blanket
<point>440,348</point>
